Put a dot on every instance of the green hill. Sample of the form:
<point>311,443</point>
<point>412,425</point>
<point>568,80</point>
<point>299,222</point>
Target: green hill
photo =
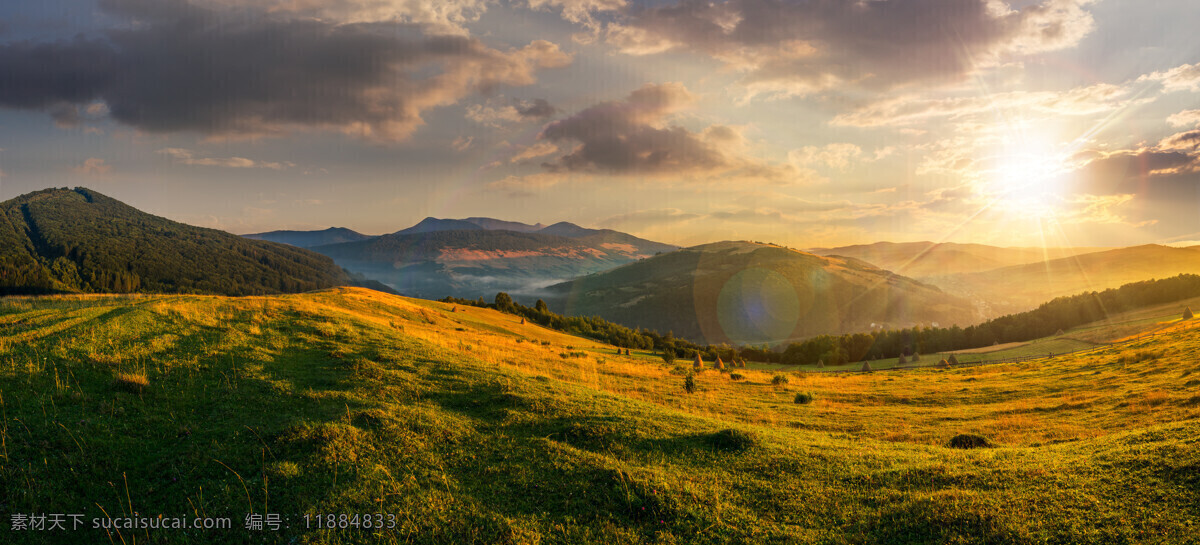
<point>61,240</point>
<point>750,293</point>
<point>464,425</point>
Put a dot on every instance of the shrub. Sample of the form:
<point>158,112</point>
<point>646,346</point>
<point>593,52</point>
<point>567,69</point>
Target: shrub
<point>131,382</point>
<point>779,380</point>
<point>967,441</point>
<point>731,440</point>
<point>736,376</point>
<point>803,398</point>
<point>668,356</point>
<point>689,383</point>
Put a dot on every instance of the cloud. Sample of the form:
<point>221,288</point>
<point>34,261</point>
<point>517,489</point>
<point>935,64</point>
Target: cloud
<point>92,166</point>
<point>1100,209</point>
<point>797,48</point>
<point>260,75</point>
<point>519,110</point>
<point>526,186</point>
<point>1189,140</point>
<point>836,156</point>
<point>538,149</point>
<point>1185,118</point>
<point>908,109</point>
<point>642,219</point>
<point>1181,78</point>
<point>633,136</point>
<point>462,144</point>
<point>186,157</point>
<point>436,16</point>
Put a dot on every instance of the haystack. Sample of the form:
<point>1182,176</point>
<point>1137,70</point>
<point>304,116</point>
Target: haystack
<point>916,357</point>
<point>953,360</point>
<point>699,363</point>
<point>1059,332</point>
<point>820,363</point>
<point>866,366</point>
<point>720,365</point>
<point>943,364</point>
<point>1187,313</point>
<point>626,351</point>
<point>903,360</point>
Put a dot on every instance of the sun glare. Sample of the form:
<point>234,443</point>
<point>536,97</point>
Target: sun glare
<point>1028,178</point>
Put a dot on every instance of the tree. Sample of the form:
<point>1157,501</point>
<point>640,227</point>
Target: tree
<point>541,307</point>
<point>504,302</point>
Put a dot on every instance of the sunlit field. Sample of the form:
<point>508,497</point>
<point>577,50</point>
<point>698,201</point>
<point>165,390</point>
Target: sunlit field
<point>469,426</point>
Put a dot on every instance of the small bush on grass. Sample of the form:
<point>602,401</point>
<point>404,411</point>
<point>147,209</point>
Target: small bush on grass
<point>803,398</point>
<point>736,376</point>
<point>134,383</point>
<point>779,380</point>
<point>689,383</point>
<point>969,441</point>
<point>731,440</point>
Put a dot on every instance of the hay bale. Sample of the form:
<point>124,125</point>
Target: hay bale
<point>866,366</point>
<point>1059,332</point>
<point>720,365</point>
<point>943,364</point>
<point>698,363</point>
<point>916,357</point>
<point>903,360</point>
<point>522,321</point>
<point>1187,313</point>
<point>953,360</point>
<point>626,351</point>
<point>820,363</point>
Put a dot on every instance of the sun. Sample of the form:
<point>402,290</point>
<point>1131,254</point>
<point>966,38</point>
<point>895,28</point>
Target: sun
<point>1027,177</point>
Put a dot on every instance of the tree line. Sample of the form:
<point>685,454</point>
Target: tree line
<point>1058,314</point>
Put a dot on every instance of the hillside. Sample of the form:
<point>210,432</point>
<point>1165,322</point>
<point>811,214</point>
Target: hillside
<point>61,240</point>
<point>1021,287</point>
<point>472,263</point>
<point>468,426</point>
<point>927,259</point>
<point>751,293</point>
<point>308,239</point>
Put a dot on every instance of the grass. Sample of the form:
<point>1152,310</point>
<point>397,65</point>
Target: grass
<point>472,427</point>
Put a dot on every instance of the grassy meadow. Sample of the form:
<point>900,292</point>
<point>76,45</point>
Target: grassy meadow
<point>471,427</point>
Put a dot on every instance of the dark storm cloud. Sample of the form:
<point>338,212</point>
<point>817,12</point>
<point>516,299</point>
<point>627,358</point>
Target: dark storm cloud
<point>794,47</point>
<point>184,68</point>
<point>624,136</point>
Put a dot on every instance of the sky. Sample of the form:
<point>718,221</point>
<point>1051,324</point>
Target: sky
<point>803,123</point>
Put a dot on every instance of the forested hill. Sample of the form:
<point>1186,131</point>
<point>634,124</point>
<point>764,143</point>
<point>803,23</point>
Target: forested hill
<point>62,241</point>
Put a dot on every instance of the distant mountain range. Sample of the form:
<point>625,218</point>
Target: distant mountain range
<point>924,259</point>
<point>65,241</point>
<point>479,257</point>
<point>753,293</point>
<point>1022,287</point>
<point>308,239</point>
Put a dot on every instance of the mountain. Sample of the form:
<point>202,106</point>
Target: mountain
<point>1022,287</point>
<point>476,262</point>
<point>434,225</point>
<point>926,259</point>
<point>308,239</point>
<point>61,240</point>
<point>501,225</point>
<point>755,293</point>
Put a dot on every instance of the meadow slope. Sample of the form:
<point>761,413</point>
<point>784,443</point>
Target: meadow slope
<point>472,427</point>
